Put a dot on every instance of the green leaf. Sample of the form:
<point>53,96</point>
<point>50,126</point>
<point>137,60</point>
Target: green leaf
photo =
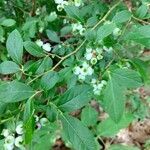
<point>89,116</point>
<point>14,46</point>
<point>80,136</point>
<point>49,80</point>
<point>90,35</point>
<point>33,49</point>
<point>105,31</point>
<point>14,92</point>
<point>140,35</point>
<point>65,30</point>
<point>142,11</point>
<point>114,100</point>
<point>45,65</point>
<point>8,22</point>
<point>75,98</point>
<point>53,36</point>
<point>73,12</point>
<point>122,16</point>
<point>51,113</point>
<point>8,67</point>
<point>109,128</point>
<point>29,121</point>
<point>30,28</point>
<point>45,137</point>
<point>92,21</point>
<point>142,67</point>
<point>127,78</point>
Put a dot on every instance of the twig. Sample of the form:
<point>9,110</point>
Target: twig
<point>107,14</point>
<point>139,20</point>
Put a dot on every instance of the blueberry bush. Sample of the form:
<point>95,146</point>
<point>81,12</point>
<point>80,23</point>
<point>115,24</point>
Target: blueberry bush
<point>72,72</point>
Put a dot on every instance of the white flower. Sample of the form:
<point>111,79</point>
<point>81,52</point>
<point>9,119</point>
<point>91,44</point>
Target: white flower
<point>47,47</point>
<point>83,71</point>
<point>5,132</point>
<point>59,1</point>
<point>82,31</point>
<point>38,125</point>
<point>43,121</point>
<point>103,82</point>
<point>93,61</point>
<point>8,146</point>
<point>41,29</point>
<point>97,92</point>
<point>99,50</point>
<point>88,55</point>
<point>61,4</point>
<point>99,86</point>
<point>9,140</point>
<point>37,12</point>
<point>39,42</point>
<point>77,27</point>
<point>85,65</point>
<point>65,21</point>
<point>19,142</point>
<point>81,77</point>
<point>77,2</point>
<point>19,129</point>
<point>90,71</point>
<point>36,118</point>
<point>86,69</point>
<point>74,27</point>
<point>53,14</point>
<point>97,89</point>
<point>93,81</point>
<point>65,3</point>
<point>60,7</point>
<point>88,50</point>
<point>77,70</point>
<point>99,57</point>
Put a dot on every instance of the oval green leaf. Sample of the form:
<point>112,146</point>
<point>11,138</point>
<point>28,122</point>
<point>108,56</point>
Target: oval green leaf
<point>8,67</point>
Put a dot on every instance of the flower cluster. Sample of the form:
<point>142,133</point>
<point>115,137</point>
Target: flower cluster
<point>61,4</point>
<point>46,46</point>
<point>78,28</point>
<point>84,70</point>
<point>11,141</point>
<point>40,122</point>
<point>93,55</point>
<point>98,86</point>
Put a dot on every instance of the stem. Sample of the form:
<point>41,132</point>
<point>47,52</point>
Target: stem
<point>33,7</point>
<point>37,92</point>
<point>61,60</point>
<point>54,55</point>
<point>78,48</point>
<point>107,14</point>
<point>139,20</point>
<point>5,120</point>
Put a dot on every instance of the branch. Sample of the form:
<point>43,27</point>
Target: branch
<point>78,48</point>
